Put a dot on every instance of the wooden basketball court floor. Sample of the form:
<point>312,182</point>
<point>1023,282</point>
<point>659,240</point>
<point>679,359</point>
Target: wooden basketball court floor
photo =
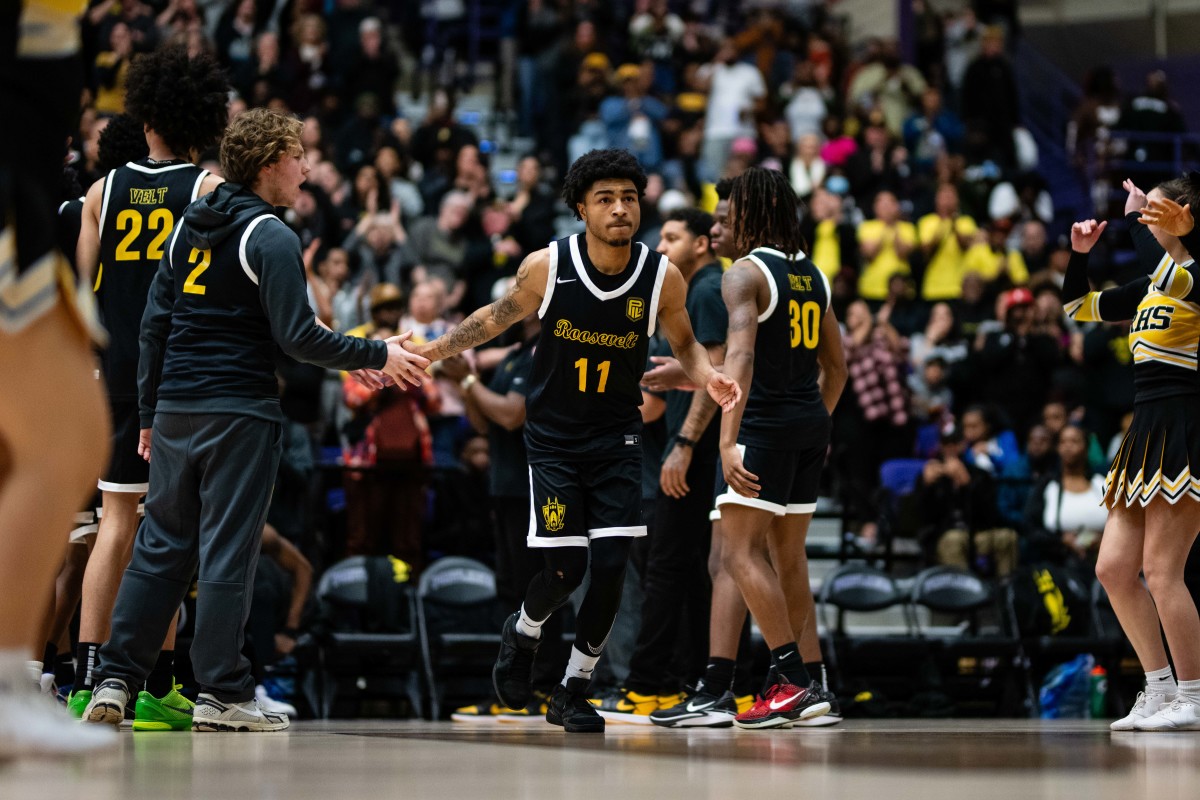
<point>876,760</point>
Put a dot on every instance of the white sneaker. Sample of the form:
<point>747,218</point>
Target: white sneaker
<point>108,702</point>
<point>1181,715</point>
<point>47,686</point>
<point>270,704</point>
<point>211,714</point>
<point>34,725</point>
<point>1146,705</point>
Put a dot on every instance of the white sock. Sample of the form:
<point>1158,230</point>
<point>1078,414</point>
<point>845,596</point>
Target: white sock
<point>35,670</point>
<point>14,670</point>
<point>581,665</point>
<point>528,626</point>
<point>1190,690</point>
<point>1161,681</point>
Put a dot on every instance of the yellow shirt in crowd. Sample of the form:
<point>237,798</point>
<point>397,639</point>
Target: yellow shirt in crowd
<point>988,263</point>
<point>944,272</point>
<point>827,249</point>
<point>872,285</point>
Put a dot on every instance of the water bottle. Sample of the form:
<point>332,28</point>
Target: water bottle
<point>1098,694</point>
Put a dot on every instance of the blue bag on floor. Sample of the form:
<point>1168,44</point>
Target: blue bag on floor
<point>1066,691</point>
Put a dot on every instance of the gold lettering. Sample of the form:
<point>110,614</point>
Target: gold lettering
<point>565,330</point>
<point>147,197</point>
<point>800,283</point>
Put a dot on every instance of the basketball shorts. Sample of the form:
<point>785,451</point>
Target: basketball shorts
<point>573,502</point>
<point>790,480</point>
<point>127,471</point>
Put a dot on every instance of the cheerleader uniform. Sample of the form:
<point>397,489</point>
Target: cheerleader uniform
<point>1157,455</point>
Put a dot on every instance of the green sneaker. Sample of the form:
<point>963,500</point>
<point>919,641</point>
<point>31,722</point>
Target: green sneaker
<point>78,701</point>
<point>171,713</point>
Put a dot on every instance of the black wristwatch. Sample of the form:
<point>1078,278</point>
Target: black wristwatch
<point>683,440</point>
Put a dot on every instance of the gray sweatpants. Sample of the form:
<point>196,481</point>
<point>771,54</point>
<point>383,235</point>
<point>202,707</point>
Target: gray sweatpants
<point>211,477</point>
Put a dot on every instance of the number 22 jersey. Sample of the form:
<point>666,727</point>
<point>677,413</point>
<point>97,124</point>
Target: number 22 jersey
<point>585,381</point>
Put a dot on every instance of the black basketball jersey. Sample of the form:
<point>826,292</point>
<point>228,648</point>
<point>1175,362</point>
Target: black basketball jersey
<point>584,385</point>
<point>142,202</point>
<point>784,409</point>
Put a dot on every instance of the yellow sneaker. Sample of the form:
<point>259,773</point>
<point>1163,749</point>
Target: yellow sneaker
<point>484,712</point>
<point>671,700</point>
<point>622,705</point>
<point>744,703</point>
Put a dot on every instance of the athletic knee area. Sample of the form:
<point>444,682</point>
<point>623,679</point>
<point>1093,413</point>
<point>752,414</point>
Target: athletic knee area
<point>1162,576</point>
<point>611,554</point>
<point>1117,575</point>
<point>565,569</point>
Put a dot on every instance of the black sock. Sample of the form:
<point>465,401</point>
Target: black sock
<point>786,663</point>
<point>718,676</point>
<point>64,670</point>
<point>85,665</point>
<point>162,677</point>
<point>48,657</point>
<point>817,670</point>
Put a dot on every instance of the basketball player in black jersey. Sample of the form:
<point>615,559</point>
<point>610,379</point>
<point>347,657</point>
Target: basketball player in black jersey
<point>128,218</point>
<point>600,297</point>
<point>53,422</point>
<point>785,350</point>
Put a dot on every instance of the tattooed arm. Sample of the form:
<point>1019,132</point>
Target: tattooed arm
<point>745,290</point>
<point>521,300</point>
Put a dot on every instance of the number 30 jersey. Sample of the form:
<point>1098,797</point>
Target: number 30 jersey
<point>142,202</point>
<point>784,408</point>
<point>587,368</point>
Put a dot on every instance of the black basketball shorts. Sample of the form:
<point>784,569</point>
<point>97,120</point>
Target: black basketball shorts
<point>790,480</point>
<point>127,471</point>
<point>574,502</point>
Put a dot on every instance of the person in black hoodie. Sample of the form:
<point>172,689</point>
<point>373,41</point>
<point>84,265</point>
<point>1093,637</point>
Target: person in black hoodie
<point>229,295</point>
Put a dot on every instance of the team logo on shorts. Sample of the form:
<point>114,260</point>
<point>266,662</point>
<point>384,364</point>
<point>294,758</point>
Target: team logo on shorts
<point>635,308</point>
<point>553,513</point>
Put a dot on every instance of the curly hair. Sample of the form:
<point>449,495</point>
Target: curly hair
<point>600,165</point>
<point>122,140</point>
<point>764,211</point>
<point>184,100</point>
<point>256,139</point>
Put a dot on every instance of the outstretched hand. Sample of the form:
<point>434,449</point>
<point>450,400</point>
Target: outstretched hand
<point>1085,234</point>
<point>724,390</point>
<point>1168,216</point>
<point>403,365</point>
<point>1137,198</point>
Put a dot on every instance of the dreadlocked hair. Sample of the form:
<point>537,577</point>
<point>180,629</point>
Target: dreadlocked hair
<point>600,165</point>
<point>763,210</point>
<point>184,100</point>
<point>121,141</point>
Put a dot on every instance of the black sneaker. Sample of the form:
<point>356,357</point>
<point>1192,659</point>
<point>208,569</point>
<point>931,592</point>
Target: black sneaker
<point>569,707</point>
<point>831,717</point>
<point>513,674</point>
<point>700,709</point>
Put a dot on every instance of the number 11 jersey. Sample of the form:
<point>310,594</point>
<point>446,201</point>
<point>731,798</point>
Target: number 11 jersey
<point>585,381</point>
<point>143,201</point>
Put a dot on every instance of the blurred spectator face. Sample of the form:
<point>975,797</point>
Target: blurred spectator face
<point>311,31</point>
<point>1040,442</point>
<point>777,137</point>
<point>1059,258</point>
<point>1048,307</point>
<point>468,162</point>
<point>1054,417</point>
<point>887,207</point>
<point>808,147</point>
<point>475,454</point>
<point>973,287</point>
<point>941,320</point>
<point>456,206</point>
<point>952,446</point>
<point>722,243</point>
<point>370,37</point>
<point>684,250</point>
<point>365,180</point>
<point>425,302</point>
<point>876,137</point>
<point>268,48</point>
<point>236,106</point>
<point>858,316</point>
<point>305,205</point>
<point>935,373</point>
<point>1033,237</point>
<point>246,11</point>
<point>585,37</point>
<point>824,204</point>
<point>529,172</point>
<point>831,126</point>
<point>311,135</point>
<point>899,287</point>
<point>997,234</point>
<point>326,176</point>
<point>931,102</point>
<point>336,266</point>
<point>119,40</point>
<point>387,162</point>
<point>1072,447</point>
<point>975,427</point>
<point>991,45</point>
<point>380,235</point>
<point>804,74</point>
<point>946,201</point>
<point>728,52</point>
<point>495,221</point>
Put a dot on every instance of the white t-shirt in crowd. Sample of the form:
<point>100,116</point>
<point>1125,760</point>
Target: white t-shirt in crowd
<point>735,87</point>
<point>1079,511</point>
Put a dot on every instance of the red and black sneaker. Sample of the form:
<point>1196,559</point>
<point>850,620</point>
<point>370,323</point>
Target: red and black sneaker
<point>783,704</point>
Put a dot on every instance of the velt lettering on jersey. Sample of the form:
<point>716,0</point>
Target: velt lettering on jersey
<point>147,197</point>
<point>800,283</point>
<point>565,330</point>
<point>554,514</point>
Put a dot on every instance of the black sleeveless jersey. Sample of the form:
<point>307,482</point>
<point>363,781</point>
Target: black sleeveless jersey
<point>784,409</point>
<point>142,202</point>
<point>584,384</point>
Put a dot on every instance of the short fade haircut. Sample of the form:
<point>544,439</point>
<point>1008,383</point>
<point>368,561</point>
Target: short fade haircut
<point>600,165</point>
<point>183,99</point>
<point>699,223</point>
<point>255,140</point>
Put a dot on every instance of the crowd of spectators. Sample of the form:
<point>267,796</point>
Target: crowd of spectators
<point>922,200</point>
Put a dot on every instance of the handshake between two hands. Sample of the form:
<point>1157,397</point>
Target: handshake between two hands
<point>404,365</point>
